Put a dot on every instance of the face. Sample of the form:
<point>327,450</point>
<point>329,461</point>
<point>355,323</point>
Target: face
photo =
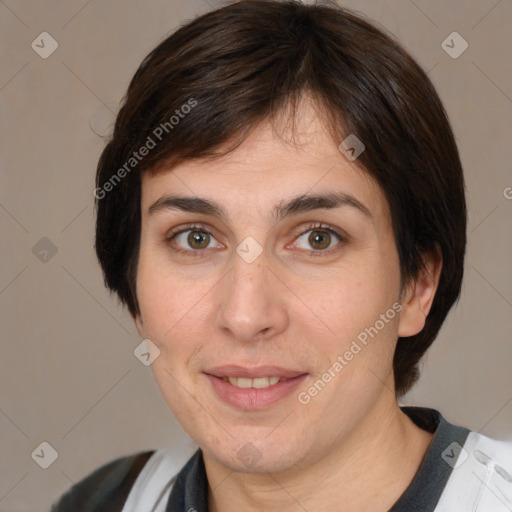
<point>276,324</point>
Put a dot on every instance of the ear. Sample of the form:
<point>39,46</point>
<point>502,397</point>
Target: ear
<point>418,295</point>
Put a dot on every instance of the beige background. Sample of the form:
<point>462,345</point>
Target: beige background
<point>69,376</point>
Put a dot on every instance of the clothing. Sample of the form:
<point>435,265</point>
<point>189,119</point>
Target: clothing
<point>461,471</point>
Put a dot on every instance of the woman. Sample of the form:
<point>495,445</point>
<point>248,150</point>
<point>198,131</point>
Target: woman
<point>281,208</point>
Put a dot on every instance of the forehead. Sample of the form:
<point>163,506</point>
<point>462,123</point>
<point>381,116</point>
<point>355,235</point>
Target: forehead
<point>272,165</point>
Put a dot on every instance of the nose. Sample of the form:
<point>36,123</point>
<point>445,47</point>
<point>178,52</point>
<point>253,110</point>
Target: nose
<point>251,305</point>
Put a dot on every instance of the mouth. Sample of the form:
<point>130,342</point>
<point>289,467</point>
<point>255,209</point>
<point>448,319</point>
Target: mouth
<point>258,383</point>
<point>253,388</point>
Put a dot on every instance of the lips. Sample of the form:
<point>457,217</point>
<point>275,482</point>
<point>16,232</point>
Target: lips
<point>253,388</point>
<point>254,393</point>
<point>253,373</point>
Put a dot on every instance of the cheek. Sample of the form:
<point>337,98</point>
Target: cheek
<point>163,300</point>
<point>354,299</point>
<point>162,292</point>
<point>361,313</point>
<point>175,313</point>
<point>171,312</point>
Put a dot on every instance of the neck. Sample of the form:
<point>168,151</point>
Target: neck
<point>368,470</point>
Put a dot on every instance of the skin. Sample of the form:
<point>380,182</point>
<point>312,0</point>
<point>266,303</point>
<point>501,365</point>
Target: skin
<point>350,446</point>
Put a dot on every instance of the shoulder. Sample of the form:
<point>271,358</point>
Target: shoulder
<point>106,488</point>
<point>481,477</point>
<point>493,454</point>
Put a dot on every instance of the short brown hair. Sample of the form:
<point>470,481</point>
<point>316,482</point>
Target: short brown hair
<point>242,64</point>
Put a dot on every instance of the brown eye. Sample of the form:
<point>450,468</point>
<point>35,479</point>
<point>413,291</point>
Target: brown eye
<point>192,240</point>
<point>198,239</point>
<point>319,239</point>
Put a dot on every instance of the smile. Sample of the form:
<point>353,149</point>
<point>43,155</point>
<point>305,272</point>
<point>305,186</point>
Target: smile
<point>258,383</point>
<point>253,388</point>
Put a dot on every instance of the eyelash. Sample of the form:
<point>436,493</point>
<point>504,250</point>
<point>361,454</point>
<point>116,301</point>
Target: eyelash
<point>201,228</point>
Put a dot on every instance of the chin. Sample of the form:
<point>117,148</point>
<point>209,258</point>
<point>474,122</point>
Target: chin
<point>251,454</point>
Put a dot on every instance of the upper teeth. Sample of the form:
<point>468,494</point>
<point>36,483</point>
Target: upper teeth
<point>258,383</point>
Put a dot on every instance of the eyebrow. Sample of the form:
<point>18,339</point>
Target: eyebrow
<point>293,206</point>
